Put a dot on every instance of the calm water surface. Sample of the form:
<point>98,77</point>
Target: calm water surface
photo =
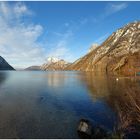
<point>36,104</point>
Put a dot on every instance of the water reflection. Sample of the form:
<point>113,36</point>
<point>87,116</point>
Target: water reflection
<point>24,114</point>
<point>3,77</point>
<point>56,79</point>
<point>30,106</point>
<point>125,100</point>
<point>121,95</point>
<point>96,84</point>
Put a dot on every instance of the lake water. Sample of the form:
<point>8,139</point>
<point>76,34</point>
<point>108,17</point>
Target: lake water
<point>37,104</point>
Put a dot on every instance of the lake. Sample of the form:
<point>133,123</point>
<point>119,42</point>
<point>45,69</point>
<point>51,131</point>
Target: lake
<point>39,104</point>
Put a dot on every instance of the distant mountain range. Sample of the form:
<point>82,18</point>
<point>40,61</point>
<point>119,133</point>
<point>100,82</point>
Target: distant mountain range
<point>35,68</point>
<point>119,53</point>
<point>52,64</point>
<point>4,65</point>
<point>57,65</point>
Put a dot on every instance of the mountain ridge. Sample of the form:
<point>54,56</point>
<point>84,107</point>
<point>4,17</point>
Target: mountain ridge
<point>58,65</point>
<point>4,64</point>
<point>114,54</point>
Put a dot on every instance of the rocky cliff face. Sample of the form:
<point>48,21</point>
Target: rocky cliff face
<point>58,65</point>
<point>120,53</point>
<point>4,65</point>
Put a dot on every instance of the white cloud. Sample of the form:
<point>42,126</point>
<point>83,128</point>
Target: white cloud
<point>113,8</point>
<point>14,11</point>
<point>21,9</point>
<point>59,49</point>
<point>4,9</point>
<point>18,40</point>
<point>110,9</point>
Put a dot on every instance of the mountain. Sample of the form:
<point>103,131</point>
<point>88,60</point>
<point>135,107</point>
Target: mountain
<point>119,53</point>
<point>52,59</point>
<point>33,68</point>
<point>4,65</point>
<point>58,65</point>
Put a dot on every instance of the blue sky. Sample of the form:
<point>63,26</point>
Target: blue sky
<point>32,31</point>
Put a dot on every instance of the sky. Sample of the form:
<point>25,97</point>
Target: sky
<point>30,32</point>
